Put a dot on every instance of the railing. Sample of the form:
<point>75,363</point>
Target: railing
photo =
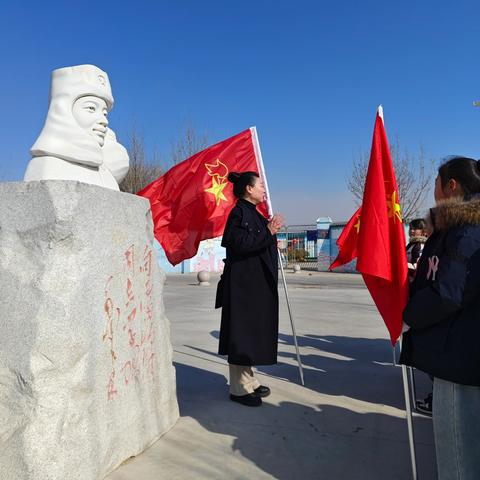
<point>298,246</point>
<point>307,264</point>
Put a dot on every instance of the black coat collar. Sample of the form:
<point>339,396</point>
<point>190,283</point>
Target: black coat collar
<point>246,203</point>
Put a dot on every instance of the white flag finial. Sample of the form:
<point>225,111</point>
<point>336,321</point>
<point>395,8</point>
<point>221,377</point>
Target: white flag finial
<point>380,112</point>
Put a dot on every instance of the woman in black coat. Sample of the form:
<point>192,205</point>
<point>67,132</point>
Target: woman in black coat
<point>444,318</point>
<point>247,291</point>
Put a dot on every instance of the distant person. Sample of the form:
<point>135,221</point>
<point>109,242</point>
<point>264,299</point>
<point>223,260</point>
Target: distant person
<point>248,290</point>
<point>417,233</point>
<point>417,237</point>
<point>444,318</point>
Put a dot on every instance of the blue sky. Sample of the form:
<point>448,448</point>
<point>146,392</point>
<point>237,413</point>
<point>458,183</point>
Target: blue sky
<point>308,74</point>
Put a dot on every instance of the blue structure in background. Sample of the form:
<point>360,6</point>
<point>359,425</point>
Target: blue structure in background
<point>329,251</point>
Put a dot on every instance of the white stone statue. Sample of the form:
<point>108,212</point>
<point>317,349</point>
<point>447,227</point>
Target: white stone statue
<point>75,142</point>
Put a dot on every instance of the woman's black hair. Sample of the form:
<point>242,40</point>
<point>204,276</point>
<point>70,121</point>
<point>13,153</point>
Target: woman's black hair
<point>240,182</point>
<point>466,171</point>
<point>418,224</point>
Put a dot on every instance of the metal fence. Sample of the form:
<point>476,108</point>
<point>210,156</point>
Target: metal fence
<point>298,245</point>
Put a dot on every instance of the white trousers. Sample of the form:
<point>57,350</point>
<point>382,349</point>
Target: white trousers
<point>242,381</point>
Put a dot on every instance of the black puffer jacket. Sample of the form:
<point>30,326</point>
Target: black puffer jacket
<point>444,307</point>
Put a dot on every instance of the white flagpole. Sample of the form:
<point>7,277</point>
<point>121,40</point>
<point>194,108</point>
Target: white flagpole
<point>411,438</point>
<point>406,390</point>
<point>258,154</point>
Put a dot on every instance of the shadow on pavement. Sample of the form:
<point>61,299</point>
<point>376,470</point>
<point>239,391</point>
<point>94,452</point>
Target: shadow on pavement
<point>291,441</point>
<point>359,368</point>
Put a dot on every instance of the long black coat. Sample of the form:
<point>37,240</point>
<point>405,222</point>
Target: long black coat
<point>248,289</point>
<point>444,308</point>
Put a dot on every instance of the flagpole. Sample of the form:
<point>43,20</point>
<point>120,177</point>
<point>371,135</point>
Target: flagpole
<point>411,439</point>
<point>258,154</point>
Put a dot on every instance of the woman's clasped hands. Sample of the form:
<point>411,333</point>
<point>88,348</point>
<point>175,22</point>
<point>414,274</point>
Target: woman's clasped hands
<point>276,223</point>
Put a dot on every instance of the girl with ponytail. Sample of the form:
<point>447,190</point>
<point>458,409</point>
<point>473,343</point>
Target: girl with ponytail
<point>443,314</point>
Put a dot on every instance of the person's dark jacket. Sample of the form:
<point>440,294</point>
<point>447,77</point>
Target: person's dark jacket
<point>248,291</point>
<point>444,307</point>
<point>414,249</point>
<point>414,252</point>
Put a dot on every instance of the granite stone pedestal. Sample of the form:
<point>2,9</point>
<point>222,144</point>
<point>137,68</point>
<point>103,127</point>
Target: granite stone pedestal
<point>86,375</point>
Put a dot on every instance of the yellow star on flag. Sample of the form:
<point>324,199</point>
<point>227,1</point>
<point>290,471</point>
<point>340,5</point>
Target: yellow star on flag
<point>217,190</point>
<point>357,225</point>
<point>394,210</point>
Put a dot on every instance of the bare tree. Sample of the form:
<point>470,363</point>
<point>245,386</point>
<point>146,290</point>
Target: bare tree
<point>414,178</point>
<point>145,169</point>
<point>142,170</point>
<point>188,144</point>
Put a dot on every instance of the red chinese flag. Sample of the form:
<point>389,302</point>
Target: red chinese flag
<point>191,201</point>
<point>347,241</point>
<point>381,255</point>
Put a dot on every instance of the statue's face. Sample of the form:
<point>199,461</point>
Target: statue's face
<point>91,114</point>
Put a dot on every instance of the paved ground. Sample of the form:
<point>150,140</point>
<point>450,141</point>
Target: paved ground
<point>346,423</point>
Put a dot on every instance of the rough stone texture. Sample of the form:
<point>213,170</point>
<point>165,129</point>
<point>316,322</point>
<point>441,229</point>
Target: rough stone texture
<point>86,375</point>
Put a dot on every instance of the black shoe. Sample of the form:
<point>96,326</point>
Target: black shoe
<point>249,400</point>
<point>262,391</point>
<point>425,406</point>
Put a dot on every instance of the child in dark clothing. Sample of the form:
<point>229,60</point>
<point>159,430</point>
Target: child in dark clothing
<point>418,237</point>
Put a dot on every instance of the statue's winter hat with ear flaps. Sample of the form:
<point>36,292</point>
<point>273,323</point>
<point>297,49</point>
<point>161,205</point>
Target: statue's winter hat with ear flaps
<point>61,135</point>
